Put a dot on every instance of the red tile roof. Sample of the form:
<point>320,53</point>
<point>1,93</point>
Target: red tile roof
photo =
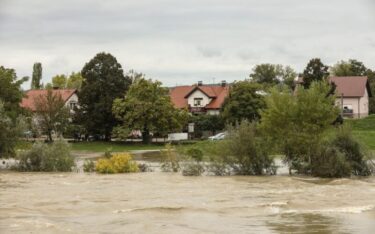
<point>351,86</point>
<point>218,93</point>
<point>31,95</point>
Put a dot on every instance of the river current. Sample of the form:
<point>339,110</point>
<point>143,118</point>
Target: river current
<point>156,202</point>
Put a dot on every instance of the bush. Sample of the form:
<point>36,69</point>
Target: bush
<point>194,166</point>
<point>244,152</point>
<point>170,162</point>
<point>118,163</point>
<point>192,169</point>
<point>88,165</point>
<point>49,158</point>
<point>340,156</point>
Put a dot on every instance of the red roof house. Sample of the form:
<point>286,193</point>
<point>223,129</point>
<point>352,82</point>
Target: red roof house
<point>200,98</point>
<point>68,95</point>
<point>353,94</point>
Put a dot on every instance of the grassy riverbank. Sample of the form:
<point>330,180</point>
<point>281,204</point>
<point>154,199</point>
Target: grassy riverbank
<point>113,146</point>
<point>364,130</point>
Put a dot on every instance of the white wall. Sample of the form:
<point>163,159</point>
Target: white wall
<point>73,98</point>
<point>359,105</point>
<point>198,94</point>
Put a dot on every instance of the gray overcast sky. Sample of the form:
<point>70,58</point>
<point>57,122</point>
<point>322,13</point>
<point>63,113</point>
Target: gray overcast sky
<point>180,41</point>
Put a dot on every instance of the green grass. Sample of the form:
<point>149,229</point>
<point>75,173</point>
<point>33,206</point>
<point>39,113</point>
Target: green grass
<point>366,124</point>
<point>113,146</point>
<point>364,130</point>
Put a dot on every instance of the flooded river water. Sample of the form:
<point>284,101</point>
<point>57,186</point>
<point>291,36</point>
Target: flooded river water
<point>157,202</point>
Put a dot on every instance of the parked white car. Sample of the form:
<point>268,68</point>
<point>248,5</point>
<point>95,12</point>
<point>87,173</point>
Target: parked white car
<point>217,137</point>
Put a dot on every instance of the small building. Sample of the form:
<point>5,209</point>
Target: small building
<point>353,94</point>
<point>200,98</point>
<point>69,96</point>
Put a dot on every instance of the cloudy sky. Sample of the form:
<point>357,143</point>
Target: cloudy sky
<point>181,42</point>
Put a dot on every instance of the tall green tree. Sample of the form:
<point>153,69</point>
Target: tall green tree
<point>74,81</point>
<point>296,122</point>
<point>314,71</point>
<point>10,91</point>
<point>59,81</point>
<point>147,107</point>
<point>103,82</point>
<point>53,115</point>
<point>37,76</point>
<point>10,131</point>
<point>244,102</point>
<point>271,74</point>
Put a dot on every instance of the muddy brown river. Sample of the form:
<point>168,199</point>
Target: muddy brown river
<point>157,202</point>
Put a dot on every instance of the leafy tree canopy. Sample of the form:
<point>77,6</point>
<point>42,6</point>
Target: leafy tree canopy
<point>59,81</point>
<point>10,130</point>
<point>147,107</point>
<point>103,81</point>
<point>245,100</point>
<point>349,68</point>
<point>272,74</point>
<point>10,91</point>
<point>296,122</point>
<point>74,81</point>
<point>314,71</point>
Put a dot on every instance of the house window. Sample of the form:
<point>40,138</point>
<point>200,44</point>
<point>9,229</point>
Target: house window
<point>198,101</point>
<point>72,105</point>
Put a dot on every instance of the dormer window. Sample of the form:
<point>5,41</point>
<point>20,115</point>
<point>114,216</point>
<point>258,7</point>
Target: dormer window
<point>198,101</point>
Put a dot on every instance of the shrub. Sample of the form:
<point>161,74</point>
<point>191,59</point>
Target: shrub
<point>194,166</point>
<point>43,157</point>
<point>330,162</point>
<point>244,152</point>
<point>192,169</point>
<point>354,153</point>
<point>170,162</point>
<point>88,165</point>
<point>118,163</point>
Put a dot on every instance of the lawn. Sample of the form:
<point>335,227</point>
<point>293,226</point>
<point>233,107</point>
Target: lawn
<point>364,130</point>
<point>113,146</point>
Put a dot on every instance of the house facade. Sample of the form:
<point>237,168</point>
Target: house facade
<point>353,94</point>
<point>200,98</point>
<point>69,96</point>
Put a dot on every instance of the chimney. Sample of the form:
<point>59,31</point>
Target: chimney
<point>200,83</point>
<point>223,83</point>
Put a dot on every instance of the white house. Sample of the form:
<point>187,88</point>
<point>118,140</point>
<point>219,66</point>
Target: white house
<point>353,94</point>
<point>198,99</point>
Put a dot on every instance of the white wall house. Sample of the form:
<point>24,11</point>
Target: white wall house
<point>352,95</point>
<point>200,99</point>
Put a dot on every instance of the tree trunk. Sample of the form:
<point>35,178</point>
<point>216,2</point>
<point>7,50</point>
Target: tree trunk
<point>146,136</point>
<point>49,136</point>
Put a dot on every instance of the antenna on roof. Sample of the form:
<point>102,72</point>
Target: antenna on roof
<point>213,80</point>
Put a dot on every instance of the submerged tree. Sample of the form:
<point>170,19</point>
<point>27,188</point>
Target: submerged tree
<point>103,82</point>
<point>147,107</point>
<point>297,122</point>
